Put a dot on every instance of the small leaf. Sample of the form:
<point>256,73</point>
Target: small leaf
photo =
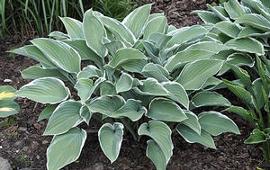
<point>152,87</point>
<point>156,71</point>
<point>46,112</point>
<point>256,137</point>
<point>241,112</point>
<point>65,149</point>
<point>177,93</point>
<point>154,152</point>
<point>239,91</point>
<point>110,139</point>
<point>64,117</point>
<point>107,88</point>
<point>207,98</point>
<point>165,110</point>
<point>7,93</point>
<point>125,55</point>
<point>46,90</point>
<point>85,114</point>
<point>89,72</point>
<point>84,88</point>
<point>157,24</point>
<point>8,108</point>
<point>192,137</point>
<point>192,122</point>
<point>73,27</point>
<point>216,123</point>
<point>124,83</point>
<point>161,134</point>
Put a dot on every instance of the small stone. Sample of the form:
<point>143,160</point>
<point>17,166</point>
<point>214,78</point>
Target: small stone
<point>98,166</point>
<point>7,81</point>
<point>45,142</point>
<point>4,164</point>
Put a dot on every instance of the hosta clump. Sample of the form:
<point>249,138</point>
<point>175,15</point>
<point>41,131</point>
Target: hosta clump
<point>245,27</point>
<point>8,106</point>
<point>140,75</point>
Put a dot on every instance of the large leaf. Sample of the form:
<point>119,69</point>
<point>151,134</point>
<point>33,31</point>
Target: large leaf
<point>165,110</point>
<point>155,25</point>
<point>94,32</point>
<point>255,20</point>
<point>161,134</point>
<point>234,9</point>
<point>249,45</point>
<point>154,152</point>
<point>187,34</point>
<point>195,74</point>
<point>84,51</point>
<point>65,149</point>
<point>193,137</point>
<point>110,139</point>
<point>106,104</point>
<point>125,55</point>
<point>228,28</point>
<point>64,117</point>
<point>46,90</point>
<point>177,93</point>
<point>207,98</point>
<point>118,29</point>
<point>137,19</point>
<point>216,123</point>
<point>59,53</point>
<point>36,71</point>
<point>7,93</point>
<point>34,53</point>
<point>73,27</point>
<point>186,56</point>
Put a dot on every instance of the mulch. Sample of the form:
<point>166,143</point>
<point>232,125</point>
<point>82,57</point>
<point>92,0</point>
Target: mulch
<point>22,143</point>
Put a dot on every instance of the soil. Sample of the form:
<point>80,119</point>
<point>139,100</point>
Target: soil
<point>22,143</point>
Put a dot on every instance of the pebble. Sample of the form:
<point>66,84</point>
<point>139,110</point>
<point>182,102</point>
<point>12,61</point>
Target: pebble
<point>7,81</point>
<point>98,166</point>
<point>4,164</point>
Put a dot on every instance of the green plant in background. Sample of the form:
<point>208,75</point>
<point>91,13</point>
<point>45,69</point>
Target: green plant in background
<point>29,17</point>
<point>246,26</point>
<point>117,9</point>
<point>8,106</point>
<point>140,75</point>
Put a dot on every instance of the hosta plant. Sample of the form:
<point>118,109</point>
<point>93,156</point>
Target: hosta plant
<point>140,76</point>
<point>246,23</point>
<point>8,106</point>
